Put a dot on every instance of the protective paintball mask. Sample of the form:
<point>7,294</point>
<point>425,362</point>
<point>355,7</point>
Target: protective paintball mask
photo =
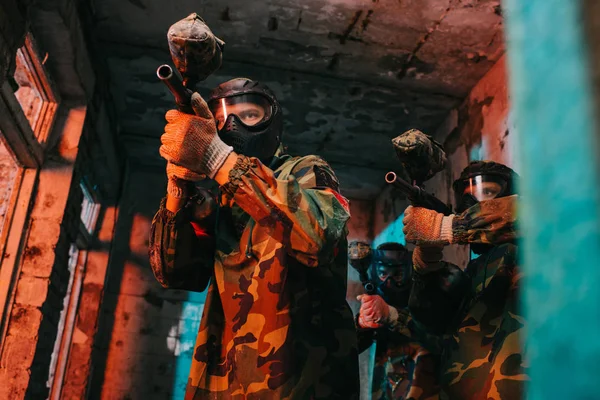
<point>483,180</point>
<point>248,117</point>
<point>480,181</point>
<point>391,273</point>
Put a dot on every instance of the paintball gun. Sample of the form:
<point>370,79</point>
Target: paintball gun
<point>422,157</point>
<point>196,53</point>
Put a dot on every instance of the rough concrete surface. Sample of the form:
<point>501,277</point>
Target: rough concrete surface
<point>350,74</point>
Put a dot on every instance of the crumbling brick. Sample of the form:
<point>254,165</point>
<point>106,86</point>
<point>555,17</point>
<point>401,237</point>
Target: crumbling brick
<point>32,291</point>
<point>25,322</point>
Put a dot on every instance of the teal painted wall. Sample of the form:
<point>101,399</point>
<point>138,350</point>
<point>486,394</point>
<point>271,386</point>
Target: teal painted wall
<point>551,93</point>
<point>188,330</point>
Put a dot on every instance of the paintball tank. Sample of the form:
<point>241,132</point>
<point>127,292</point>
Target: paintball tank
<point>422,157</point>
<point>196,53</point>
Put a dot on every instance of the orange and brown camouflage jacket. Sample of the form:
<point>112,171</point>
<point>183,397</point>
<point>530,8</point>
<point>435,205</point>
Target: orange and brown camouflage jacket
<point>404,369</point>
<point>483,357</point>
<point>276,324</point>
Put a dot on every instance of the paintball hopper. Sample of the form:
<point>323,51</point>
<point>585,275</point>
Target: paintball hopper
<point>360,256</point>
<point>421,156</point>
<point>195,50</point>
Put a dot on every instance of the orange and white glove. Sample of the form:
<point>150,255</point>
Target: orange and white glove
<point>427,258</point>
<point>191,142</point>
<point>375,312</point>
<point>427,227</point>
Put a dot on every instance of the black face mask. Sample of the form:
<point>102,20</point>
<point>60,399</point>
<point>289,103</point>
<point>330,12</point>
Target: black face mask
<point>395,292</point>
<point>260,144</point>
<point>396,296</point>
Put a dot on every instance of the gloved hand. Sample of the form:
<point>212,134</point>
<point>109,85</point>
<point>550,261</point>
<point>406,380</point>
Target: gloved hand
<point>427,258</point>
<point>178,179</point>
<point>192,142</point>
<point>365,323</point>
<point>375,312</point>
<point>427,227</point>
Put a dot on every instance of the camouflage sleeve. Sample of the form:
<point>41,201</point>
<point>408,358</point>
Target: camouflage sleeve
<point>181,252</point>
<point>490,221</point>
<point>305,210</point>
<point>425,383</point>
<point>407,326</point>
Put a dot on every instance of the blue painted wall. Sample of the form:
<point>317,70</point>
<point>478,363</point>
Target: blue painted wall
<point>550,85</point>
<point>188,330</point>
<point>391,233</point>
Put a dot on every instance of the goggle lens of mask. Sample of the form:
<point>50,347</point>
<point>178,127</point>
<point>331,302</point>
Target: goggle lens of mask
<point>483,187</point>
<point>395,272</point>
<point>252,109</point>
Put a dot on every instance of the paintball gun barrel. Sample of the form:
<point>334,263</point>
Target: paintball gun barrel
<point>367,284</point>
<point>417,196</point>
<point>182,95</point>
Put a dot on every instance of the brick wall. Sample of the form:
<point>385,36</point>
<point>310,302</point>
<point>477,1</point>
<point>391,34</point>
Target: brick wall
<point>142,323</point>
<point>82,146</point>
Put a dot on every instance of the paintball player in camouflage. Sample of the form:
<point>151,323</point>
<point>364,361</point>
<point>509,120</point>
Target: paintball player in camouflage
<point>403,369</point>
<point>266,232</point>
<point>475,314</point>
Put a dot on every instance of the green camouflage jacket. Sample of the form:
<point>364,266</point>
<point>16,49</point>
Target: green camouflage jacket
<point>482,357</point>
<point>276,324</point>
<point>404,369</point>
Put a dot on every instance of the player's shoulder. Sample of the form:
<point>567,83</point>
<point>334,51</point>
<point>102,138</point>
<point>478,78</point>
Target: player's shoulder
<point>308,162</point>
<point>312,170</point>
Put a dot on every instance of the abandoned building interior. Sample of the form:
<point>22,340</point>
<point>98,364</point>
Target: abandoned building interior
<point>81,177</point>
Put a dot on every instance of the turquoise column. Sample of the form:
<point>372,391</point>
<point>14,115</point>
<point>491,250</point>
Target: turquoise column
<point>191,313</point>
<point>552,100</point>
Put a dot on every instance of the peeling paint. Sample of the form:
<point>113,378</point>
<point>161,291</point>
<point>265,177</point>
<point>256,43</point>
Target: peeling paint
<point>350,26</point>
<point>273,24</point>
<point>333,63</point>
<point>471,121</point>
<point>290,47</point>
<point>366,21</point>
<point>225,14</point>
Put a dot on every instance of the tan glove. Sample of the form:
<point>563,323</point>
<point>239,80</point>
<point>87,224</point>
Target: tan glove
<point>427,258</point>
<point>178,180</point>
<point>427,227</point>
<point>192,142</point>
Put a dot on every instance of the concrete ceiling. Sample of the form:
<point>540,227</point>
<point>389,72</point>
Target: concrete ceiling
<point>350,74</point>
